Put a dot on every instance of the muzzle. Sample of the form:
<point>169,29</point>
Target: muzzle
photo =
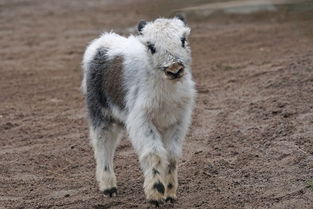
<point>174,71</point>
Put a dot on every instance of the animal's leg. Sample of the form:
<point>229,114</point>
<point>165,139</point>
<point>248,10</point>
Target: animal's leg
<point>173,147</point>
<point>171,180</point>
<point>173,140</point>
<point>154,186</point>
<point>104,141</point>
<point>152,156</point>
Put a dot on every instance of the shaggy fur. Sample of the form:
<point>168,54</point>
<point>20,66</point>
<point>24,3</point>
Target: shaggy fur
<point>141,84</point>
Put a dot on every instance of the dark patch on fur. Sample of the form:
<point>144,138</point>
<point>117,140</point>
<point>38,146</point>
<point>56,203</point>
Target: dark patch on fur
<point>183,42</point>
<point>150,133</point>
<point>104,86</point>
<point>110,192</point>
<point>170,186</point>
<point>141,25</point>
<point>95,98</point>
<point>155,172</point>
<point>159,186</point>
<point>159,162</point>
<point>106,168</point>
<point>151,47</point>
<point>112,82</point>
<point>171,166</point>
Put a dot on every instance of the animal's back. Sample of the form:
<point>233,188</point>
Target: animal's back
<point>114,45</point>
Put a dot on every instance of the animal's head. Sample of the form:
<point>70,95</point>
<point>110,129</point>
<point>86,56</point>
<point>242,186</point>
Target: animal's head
<point>166,42</point>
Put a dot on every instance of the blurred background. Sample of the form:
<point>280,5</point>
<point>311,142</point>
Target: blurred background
<point>251,141</point>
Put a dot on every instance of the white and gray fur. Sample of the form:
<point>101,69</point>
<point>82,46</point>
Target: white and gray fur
<point>127,87</point>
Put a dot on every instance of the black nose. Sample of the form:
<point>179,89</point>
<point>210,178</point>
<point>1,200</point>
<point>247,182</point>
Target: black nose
<point>176,74</point>
<point>180,71</point>
<point>175,71</point>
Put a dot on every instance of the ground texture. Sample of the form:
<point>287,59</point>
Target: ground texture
<point>251,141</point>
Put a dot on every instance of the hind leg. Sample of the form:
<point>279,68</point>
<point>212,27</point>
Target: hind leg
<point>104,141</point>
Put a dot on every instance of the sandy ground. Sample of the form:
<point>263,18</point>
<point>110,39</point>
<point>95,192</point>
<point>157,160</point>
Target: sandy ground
<point>250,144</point>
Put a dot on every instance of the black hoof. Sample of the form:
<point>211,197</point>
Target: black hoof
<point>156,203</point>
<point>170,199</point>
<point>110,192</point>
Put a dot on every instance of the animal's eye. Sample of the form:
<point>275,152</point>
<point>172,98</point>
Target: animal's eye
<point>151,47</point>
<point>183,42</point>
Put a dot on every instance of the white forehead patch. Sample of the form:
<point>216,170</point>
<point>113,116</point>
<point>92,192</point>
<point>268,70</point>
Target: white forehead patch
<point>163,30</point>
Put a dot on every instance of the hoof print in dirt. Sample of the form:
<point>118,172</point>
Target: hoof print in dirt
<point>156,203</point>
<point>110,192</point>
<point>159,187</point>
<point>170,199</point>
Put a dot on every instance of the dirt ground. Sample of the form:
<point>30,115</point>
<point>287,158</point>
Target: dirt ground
<point>251,141</point>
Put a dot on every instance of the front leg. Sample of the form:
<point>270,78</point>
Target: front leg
<point>173,140</point>
<point>154,185</point>
<point>152,155</point>
<point>173,143</point>
<point>171,180</point>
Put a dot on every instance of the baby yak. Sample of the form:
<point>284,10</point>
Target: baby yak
<point>142,84</point>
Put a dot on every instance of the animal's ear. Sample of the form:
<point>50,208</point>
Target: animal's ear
<point>141,25</point>
<point>181,17</point>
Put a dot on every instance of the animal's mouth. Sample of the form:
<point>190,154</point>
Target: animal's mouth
<point>174,71</point>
